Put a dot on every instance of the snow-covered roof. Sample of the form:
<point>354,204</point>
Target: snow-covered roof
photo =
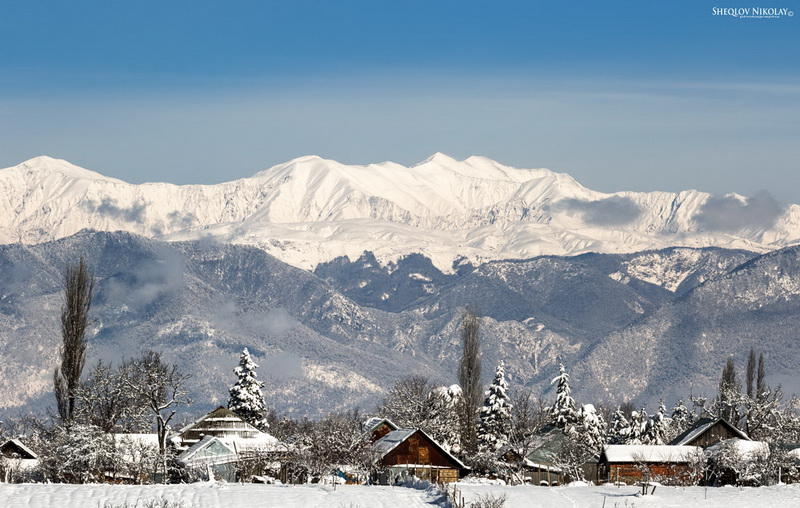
<point>21,447</point>
<point>649,453</point>
<point>209,441</point>
<point>393,439</point>
<point>745,448</point>
<point>140,439</point>
<point>700,427</point>
<point>373,422</point>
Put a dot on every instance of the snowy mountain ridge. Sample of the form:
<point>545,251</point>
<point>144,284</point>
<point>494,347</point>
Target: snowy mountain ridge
<point>311,210</point>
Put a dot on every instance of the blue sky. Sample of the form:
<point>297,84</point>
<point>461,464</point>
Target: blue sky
<point>623,96</point>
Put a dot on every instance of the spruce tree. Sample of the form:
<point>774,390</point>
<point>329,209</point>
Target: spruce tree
<point>620,430</point>
<point>246,398</point>
<point>590,428</point>
<point>495,417</point>
<point>563,413</point>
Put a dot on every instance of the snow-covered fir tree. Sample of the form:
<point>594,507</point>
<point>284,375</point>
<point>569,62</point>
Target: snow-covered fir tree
<point>562,412</point>
<point>590,427</point>
<point>656,428</point>
<point>246,398</point>
<point>680,419</point>
<point>619,432</point>
<point>638,426</point>
<point>495,416</point>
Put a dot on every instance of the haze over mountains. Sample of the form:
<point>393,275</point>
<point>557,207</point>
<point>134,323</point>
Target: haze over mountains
<point>342,279</point>
<point>311,210</point>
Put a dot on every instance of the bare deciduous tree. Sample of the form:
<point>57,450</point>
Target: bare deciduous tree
<point>78,287</point>
<point>469,377</point>
<point>162,387</point>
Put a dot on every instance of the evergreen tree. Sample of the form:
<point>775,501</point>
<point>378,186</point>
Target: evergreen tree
<point>680,420</point>
<point>761,380</point>
<point>620,430</point>
<point>657,427</point>
<point>729,394</point>
<point>563,413</point>
<point>246,398</point>
<point>590,428</point>
<point>639,421</point>
<point>495,417</point>
<point>751,372</point>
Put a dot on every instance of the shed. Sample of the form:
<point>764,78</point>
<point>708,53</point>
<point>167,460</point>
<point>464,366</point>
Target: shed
<point>708,431</point>
<point>406,452</point>
<point>634,463</point>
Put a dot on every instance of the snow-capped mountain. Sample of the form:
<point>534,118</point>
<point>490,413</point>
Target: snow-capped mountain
<point>311,210</point>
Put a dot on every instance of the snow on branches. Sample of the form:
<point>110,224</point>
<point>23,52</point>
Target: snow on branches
<point>246,398</point>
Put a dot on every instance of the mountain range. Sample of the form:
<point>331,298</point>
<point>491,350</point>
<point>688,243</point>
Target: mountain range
<point>342,279</point>
<point>311,210</point>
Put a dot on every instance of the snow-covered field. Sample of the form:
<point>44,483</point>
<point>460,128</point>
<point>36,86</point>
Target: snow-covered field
<point>205,495</point>
<point>628,497</point>
<point>202,495</point>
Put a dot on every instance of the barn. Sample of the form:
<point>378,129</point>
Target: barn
<point>636,463</point>
<point>707,432</point>
<point>412,452</point>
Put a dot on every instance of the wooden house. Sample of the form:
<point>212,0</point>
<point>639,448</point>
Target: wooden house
<point>412,452</point>
<point>15,457</point>
<point>642,463</point>
<point>707,432</point>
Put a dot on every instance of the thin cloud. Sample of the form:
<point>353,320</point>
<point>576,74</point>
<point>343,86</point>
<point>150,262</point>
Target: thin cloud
<point>109,208</point>
<point>612,211</point>
<point>731,213</point>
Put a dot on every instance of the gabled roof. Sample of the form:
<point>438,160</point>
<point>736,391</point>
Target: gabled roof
<point>702,425</point>
<point>190,453</point>
<point>392,440</point>
<point>545,445</point>
<point>373,422</point>
<point>648,453</point>
<point>22,450</point>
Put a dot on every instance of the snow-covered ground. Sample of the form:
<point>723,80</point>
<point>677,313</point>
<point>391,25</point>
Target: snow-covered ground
<point>202,495</point>
<point>209,495</point>
<point>628,497</point>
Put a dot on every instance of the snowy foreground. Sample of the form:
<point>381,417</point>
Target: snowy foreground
<point>627,497</point>
<point>210,495</point>
<point>203,495</point>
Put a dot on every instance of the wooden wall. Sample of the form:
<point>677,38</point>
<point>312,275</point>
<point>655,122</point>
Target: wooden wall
<point>417,449</point>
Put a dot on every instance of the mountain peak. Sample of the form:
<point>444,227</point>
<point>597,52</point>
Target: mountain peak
<point>45,165</point>
<point>438,157</point>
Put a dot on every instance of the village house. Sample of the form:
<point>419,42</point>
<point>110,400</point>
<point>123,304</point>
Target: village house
<point>15,457</point>
<point>631,464</point>
<point>707,432</point>
<point>539,465</point>
<point>219,444</point>
<point>400,453</point>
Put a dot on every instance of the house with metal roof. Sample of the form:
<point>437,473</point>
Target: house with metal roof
<point>412,452</point>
